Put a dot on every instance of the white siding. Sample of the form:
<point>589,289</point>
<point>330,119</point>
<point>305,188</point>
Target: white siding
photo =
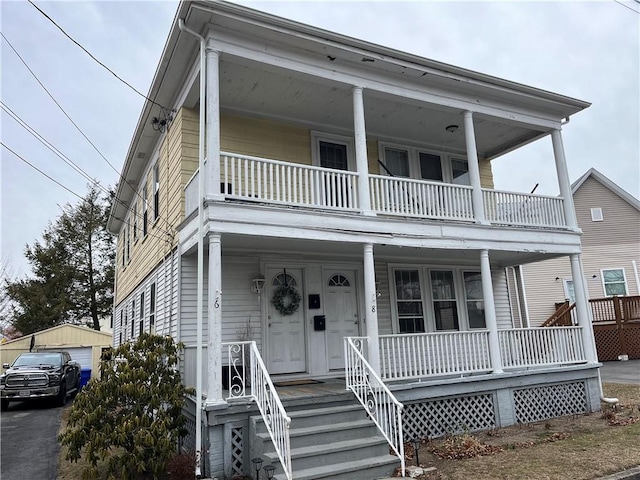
<point>385,322</point>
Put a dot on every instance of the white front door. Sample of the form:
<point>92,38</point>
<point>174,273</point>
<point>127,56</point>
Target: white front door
<point>285,332</point>
<point>341,312</point>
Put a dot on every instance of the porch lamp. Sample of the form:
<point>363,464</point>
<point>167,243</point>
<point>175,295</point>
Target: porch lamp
<point>257,284</point>
<point>257,465</point>
<point>269,470</point>
<point>416,446</point>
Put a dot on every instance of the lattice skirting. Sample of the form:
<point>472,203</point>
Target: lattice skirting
<point>539,403</point>
<point>607,342</point>
<point>632,337</point>
<point>435,418</point>
<point>188,442</point>
<point>237,452</point>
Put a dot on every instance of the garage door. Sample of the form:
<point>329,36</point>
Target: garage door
<point>82,355</point>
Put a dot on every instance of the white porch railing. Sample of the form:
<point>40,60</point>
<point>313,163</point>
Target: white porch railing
<point>288,183</point>
<point>419,198</point>
<point>381,405</point>
<point>521,209</point>
<point>191,194</point>
<point>245,362</point>
<point>531,347</point>
<point>427,354</point>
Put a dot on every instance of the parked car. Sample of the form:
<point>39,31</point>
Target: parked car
<point>40,375</point>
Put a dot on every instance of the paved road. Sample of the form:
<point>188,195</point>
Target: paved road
<point>29,441</point>
<point>621,372</point>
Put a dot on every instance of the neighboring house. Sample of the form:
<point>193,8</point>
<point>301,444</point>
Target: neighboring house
<point>331,213</point>
<point>84,344</point>
<point>609,218</point>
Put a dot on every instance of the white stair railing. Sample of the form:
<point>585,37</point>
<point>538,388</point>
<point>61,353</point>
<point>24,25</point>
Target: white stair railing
<point>376,398</point>
<point>245,354</point>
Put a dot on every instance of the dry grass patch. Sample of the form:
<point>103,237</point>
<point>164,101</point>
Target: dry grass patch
<point>579,447</point>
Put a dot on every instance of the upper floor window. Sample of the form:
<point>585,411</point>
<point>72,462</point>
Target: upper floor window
<point>135,219</point>
<point>413,162</point>
<point>145,214</point>
<point>614,282</point>
<point>156,191</point>
<point>460,171</point>
<point>596,214</point>
<point>332,151</point>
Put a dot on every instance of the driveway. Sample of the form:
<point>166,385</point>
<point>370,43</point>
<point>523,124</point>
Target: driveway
<point>29,441</point>
<point>621,372</point>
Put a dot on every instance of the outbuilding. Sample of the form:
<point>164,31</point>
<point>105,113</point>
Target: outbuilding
<point>84,344</point>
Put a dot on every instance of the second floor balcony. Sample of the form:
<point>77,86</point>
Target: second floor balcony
<point>273,182</point>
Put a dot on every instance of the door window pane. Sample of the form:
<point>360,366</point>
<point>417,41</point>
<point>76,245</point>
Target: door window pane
<point>333,155</point>
<point>396,161</point>
<point>475,300</point>
<point>460,171</point>
<point>444,300</point>
<point>430,167</point>
<point>614,282</point>
<point>409,301</point>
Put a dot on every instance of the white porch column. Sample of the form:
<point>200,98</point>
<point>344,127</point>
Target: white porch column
<point>474,169</point>
<point>582,308</point>
<point>490,312</point>
<point>213,125</point>
<point>362,164</point>
<point>371,306</point>
<point>214,306</point>
<point>563,180</point>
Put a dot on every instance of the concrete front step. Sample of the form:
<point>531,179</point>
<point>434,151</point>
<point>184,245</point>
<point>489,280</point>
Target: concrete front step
<point>367,469</point>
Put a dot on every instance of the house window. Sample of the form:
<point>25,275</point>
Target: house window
<point>596,214</point>
<point>445,307</point>
<point>409,301</point>
<point>614,282</point>
<point>396,162</point>
<point>475,299</point>
<point>339,280</point>
<point>152,308</point>
<point>133,316</point>
<point>333,155</point>
<point>332,151</point>
<point>430,167</point>
<point>127,242</point>
<point>135,220</point>
<point>569,291</point>
<point>122,242</point>
<point>141,328</point>
<point>145,215</point>
<point>460,171</point>
<point>156,191</point>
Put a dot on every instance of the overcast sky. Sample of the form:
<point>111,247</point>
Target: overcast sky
<point>586,50</point>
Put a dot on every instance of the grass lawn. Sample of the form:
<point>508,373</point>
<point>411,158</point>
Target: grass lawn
<point>577,447</point>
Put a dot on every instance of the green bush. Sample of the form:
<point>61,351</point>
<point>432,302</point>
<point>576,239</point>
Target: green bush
<point>130,420</point>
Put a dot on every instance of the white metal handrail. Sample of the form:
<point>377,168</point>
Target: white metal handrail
<point>532,347</point>
<point>523,209</point>
<point>274,181</point>
<point>245,354</point>
<point>376,398</point>
<point>420,198</point>
<point>427,354</point>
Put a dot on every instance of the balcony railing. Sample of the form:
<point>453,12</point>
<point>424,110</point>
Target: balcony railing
<point>418,198</point>
<point>283,183</point>
<point>508,208</point>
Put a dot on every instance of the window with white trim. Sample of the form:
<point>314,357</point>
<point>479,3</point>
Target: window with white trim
<point>409,301</point>
<point>145,214</point>
<point>156,191</point>
<point>596,214</point>
<point>614,282</point>
<point>415,162</point>
<point>475,299</point>
<point>141,318</point>
<point>135,220</point>
<point>133,316</point>
<point>445,306</point>
<point>152,308</point>
<point>333,151</point>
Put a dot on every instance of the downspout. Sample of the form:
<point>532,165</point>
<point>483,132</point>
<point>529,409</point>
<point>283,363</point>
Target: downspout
<point>200,295</point>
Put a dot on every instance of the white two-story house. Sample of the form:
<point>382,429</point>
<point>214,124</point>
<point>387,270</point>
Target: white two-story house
<point>315,218</point>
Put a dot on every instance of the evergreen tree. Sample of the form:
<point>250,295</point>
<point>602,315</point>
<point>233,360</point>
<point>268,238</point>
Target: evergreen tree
<point>73,270</point>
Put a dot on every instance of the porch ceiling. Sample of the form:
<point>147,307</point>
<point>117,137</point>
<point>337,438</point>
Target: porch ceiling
<point>300,250</point>
<point>257,89</point>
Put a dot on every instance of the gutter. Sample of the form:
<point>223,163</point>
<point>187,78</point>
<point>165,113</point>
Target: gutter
<point>200,296</point>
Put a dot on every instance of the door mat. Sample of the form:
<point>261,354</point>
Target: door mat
<point>295,383</point>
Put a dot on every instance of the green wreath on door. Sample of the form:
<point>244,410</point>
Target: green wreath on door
<point>286,300</point>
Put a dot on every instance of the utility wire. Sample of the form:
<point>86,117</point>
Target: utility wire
<point>41,172</point>
<point>120,175</point>
<point>95,59</point>
<point>627,6</point>
<point>72,164</point>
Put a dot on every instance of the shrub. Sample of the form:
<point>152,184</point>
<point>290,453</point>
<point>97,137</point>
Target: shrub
<point>130,419</point>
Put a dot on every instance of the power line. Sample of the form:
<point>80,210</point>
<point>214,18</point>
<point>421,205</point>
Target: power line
<point>76,167</point>
<point>95,59</point>
<point>41,172</point>
<point>120,175</point>
<point>627,6</point>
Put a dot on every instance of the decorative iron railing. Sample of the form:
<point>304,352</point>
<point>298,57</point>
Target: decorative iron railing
<point>381,405</point>
<point>532,347</point>
<point>508,208</point>
<point>419,198</point>
<point>427,354</point>
<point>247,376</point>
